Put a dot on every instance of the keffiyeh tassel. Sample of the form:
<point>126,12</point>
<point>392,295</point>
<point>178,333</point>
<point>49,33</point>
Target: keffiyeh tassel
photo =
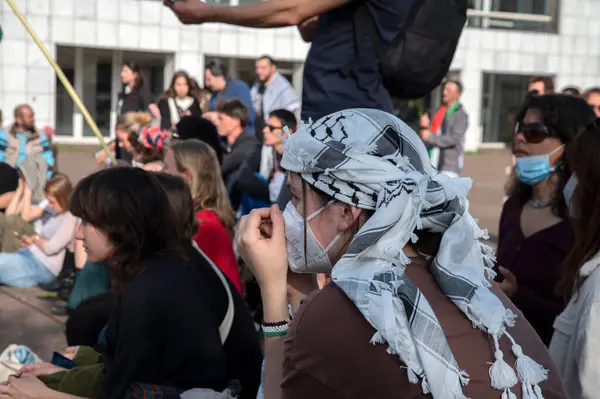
<point>530,373</point>
<point>503,377</point>
<point>412,376</point>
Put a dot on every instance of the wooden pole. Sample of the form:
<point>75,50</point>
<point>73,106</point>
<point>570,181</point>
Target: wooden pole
<point>63,79</point>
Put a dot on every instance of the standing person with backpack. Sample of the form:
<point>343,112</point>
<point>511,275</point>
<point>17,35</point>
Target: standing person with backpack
<point>377,50</point>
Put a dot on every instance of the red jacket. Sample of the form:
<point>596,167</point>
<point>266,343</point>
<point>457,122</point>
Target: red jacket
<point>212,238</point>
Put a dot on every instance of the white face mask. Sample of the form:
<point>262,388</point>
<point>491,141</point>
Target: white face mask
<point>317,258</point>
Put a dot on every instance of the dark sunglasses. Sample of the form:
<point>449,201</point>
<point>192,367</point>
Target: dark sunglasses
<point>273,128</point>
<point>533,132</point>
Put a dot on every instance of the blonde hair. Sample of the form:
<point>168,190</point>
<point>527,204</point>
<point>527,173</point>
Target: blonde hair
<point>60,187</point>
<point>206,185</point>
<point>132,123</point>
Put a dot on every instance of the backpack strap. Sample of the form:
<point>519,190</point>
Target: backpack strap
<point>363,21</point>
<point>227,322</point>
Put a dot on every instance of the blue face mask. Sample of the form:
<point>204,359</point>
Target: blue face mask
<point>535,169</point>
<point>568,192</point>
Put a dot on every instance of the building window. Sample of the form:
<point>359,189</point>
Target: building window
<point>97,82</point>
<point>526,15</point>
<point>502,97</point>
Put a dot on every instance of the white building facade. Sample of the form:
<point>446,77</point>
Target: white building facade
<point>507,42</point>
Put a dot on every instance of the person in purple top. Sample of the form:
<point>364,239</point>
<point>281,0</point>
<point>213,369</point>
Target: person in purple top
<point>535,234</point>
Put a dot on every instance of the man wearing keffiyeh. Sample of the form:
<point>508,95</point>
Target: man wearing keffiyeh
<point>381,191</point>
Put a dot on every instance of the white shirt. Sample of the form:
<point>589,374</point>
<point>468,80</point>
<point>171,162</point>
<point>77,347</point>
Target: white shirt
<point>575,345</point>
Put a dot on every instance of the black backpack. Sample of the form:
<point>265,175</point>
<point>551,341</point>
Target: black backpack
<point>419,57</point>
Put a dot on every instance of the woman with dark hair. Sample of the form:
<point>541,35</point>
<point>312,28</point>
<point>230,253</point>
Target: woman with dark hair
<point>135,97</point>
<point>535,233</point>
<point>574,345</point>
<point>242,348</point>
<point>161,331</point>
<point>179,100</point>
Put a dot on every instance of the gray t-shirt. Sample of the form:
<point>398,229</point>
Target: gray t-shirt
<point>58,230</point>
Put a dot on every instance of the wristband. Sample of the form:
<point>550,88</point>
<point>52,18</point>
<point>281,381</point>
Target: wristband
<point>275,329</point>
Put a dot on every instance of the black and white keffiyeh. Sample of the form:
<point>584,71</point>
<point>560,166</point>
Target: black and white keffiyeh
<point>34,169</point>
<point>373,160</point>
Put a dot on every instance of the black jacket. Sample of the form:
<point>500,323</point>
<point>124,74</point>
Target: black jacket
<point>165,112</point>
<point>164,330</point>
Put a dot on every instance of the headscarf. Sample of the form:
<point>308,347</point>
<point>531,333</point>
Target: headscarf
<point>152,137</point>
<point>372,160</point>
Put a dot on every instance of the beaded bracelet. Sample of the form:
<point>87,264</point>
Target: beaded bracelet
<point>275,334</point>
<point>276,323</point>
<point>275,329</point>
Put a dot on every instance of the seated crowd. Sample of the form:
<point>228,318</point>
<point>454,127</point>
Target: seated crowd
<point>405,304</point>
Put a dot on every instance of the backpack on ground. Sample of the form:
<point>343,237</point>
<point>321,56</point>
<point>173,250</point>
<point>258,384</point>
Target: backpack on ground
<point>419,57</point>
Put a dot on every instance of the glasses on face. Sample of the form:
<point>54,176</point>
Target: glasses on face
<point>533,132</point>
<point>272,128</point>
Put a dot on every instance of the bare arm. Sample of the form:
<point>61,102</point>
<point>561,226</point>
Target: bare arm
<point>5,199</point>
<point>13,206</point>
<point>29,213</point>
<point>307,28</point>
<point>61,239</point>
<point>275,309</point>
<point>153,108</point>
<point>264,14</point>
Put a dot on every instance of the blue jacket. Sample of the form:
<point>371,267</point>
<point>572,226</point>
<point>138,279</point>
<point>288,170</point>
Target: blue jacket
<point>236,89</point>
<point>14,148</point>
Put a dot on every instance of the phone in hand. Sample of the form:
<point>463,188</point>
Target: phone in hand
<point>62,361</point>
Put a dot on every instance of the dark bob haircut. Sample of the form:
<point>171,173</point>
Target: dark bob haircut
<point>131,207</point>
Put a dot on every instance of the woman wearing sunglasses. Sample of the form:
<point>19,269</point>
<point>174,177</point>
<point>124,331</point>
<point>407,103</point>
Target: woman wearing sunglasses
<point>535,233</point>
